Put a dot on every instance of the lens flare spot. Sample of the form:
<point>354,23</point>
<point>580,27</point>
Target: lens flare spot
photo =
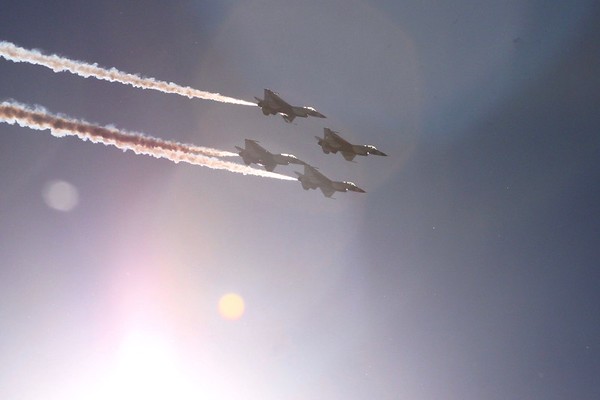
<point>231,306</point>
<point>60,195</point>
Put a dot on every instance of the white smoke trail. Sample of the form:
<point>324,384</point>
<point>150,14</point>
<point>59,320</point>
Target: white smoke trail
<point>56,63</point>
<point>60,126</point>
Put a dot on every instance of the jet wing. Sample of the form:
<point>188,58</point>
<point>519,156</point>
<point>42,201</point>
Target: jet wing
<point>276,103</point>
<point>336,141</point>
<point>319,180</point>
<point>254,147</point>
<point>273,98</point>
<point>333,137</point>
<point>328,191</point>
<point>289,118</point>
<point>315,176</point>
<point>269,165</point>
<point>349,156</point>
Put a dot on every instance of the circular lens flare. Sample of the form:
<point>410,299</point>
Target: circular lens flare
<point>231,306</point>
<point>60,195</point>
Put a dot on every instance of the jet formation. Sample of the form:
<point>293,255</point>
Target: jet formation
<point>331,142</point>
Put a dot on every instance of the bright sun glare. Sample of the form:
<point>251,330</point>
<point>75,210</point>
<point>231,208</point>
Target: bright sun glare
<point>148,367</point>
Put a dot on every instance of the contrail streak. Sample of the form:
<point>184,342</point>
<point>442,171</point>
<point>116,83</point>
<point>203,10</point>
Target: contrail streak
<point>56,63</point>
<point>60,126</point>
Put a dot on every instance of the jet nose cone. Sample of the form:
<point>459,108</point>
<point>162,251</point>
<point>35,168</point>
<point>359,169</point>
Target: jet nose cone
<point>291,159</point>
<point>351,186</point>
<point>314,113</point>
<point>378,153</point>
<point>356,189</point>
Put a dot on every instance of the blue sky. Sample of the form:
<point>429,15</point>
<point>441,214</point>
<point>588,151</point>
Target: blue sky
<point>468,270</point>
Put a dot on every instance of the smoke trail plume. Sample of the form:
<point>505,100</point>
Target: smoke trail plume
<point>58,64</point>
<point>60,126</point>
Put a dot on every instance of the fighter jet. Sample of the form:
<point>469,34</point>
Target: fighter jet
<point>332,142</point>
<point>273,104</point>
<point>255,153</point>
<point>313,179</point>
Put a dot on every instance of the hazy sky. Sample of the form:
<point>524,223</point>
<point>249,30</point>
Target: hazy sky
<point>469,269</point>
